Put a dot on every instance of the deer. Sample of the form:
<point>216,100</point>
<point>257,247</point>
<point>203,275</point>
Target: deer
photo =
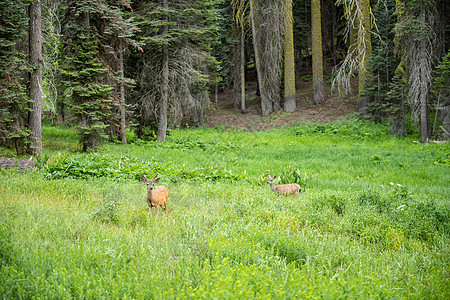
<point>155,196</point>
<point>284,189</point>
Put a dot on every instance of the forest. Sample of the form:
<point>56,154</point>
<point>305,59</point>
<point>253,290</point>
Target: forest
<point>110,108</point>
<point>142,67</point>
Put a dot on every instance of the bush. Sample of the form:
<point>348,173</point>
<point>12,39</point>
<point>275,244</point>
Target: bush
<point>352,128</point>
<point>98,165</point>
<point>107,212</point>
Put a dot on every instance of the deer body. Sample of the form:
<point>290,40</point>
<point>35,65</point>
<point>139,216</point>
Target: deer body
<point>156,197</point>
<point>284,189</point>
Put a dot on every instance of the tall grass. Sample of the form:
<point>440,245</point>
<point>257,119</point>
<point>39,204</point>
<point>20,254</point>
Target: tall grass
<point>372,220</point>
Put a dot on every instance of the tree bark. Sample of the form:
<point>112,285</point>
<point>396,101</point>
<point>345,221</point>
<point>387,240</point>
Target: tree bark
<point>365,35</point>
<point>423,98</point>
<point>242,69</point>
<point>266,101</point>
<point>35,47</point>
<point>162,126</point>
<point>317,55</point>
<point>289,61</point>
<point>123,125</point>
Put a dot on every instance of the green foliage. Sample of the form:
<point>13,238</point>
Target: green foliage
<point>107,212</point>
<point>355,129</point>
<point>84,76</point>
<point>291,174</point>
<point>351,234</point>
<point>384,88</point>
<point>14,100</point>
<point>95,165</point>
<point>442,76</point>
<point>192,33</point>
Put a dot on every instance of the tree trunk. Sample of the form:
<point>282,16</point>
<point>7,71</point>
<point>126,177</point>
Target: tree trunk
<point>289,61</point>
<point>317,56</point>
<point>266,102</point>
<point>123,125</point>
<point>365,36</point>
<point>242,69</point>
<point>423,98</point>
<point>35,46</point>
<point>162,126</point>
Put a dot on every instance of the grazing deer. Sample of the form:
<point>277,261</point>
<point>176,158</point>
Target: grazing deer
<point>155,196</point>
<point>284,189</point>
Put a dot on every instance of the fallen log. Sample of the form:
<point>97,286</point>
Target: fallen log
<point>8,163</point>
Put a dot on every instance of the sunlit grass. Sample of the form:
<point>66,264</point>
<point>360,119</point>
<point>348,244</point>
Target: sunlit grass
<point>350,233</point>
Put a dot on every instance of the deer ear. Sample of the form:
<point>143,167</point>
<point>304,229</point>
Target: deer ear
<point>156,181</point>
<point>274,177</point>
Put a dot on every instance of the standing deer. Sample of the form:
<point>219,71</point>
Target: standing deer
<point>155,196</point>
<point>284,189</point>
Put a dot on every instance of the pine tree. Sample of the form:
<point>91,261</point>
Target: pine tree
<point>35,86</point>
<point>241,19</point>
<point>84,74</point>
<point>441,89</point>
<point>289,61</point>
<point>381,88</point>
<point>317,56</point>
<point>416,37</point>
<point>360,21</point>
<point>117,34</point>
<point>267,19</point>
<point>191,32</point>
<point>13,96</point>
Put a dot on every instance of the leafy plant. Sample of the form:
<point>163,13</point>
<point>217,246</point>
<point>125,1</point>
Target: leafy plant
<point>101,165</point>
<point>107,212</point>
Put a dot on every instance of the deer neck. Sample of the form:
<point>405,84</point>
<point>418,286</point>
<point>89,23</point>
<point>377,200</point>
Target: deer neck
<point>272,186</point>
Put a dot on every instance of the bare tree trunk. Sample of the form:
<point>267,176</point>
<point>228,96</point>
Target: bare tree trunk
<point>35,46</point>
<point>423,93</point>
<point>123,125</point>
<point>317,56</point>
<point>162,126</point>
<point>266,102</point>
<point>365,35</point>
<point>289,61</point>
<point>242,70</point>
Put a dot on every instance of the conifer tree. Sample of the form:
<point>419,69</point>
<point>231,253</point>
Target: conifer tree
<point>317,57</point>
<point>35,85</point>
<point>267,19</point>
<point>289,61</point>
<point>385,89</point>
<point>360,20</point>
<point>184,33</point>
<point>416,36</point>
<point>117,33</point>
<point>241,18</point>
<point>84,74</point>
<point>13,96</point>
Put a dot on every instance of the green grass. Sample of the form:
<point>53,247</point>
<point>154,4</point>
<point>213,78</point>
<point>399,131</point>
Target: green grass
<point>79,227</point>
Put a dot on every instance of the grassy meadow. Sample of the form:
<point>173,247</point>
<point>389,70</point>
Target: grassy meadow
<point>372,220</point>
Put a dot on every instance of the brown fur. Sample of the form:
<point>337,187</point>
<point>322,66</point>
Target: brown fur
<point>284,189</point>
<point>155,196</point>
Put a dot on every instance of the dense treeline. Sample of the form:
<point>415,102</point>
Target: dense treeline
<point>114,66</point>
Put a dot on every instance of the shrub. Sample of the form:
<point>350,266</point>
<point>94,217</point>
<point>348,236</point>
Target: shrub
<point>351,128</point>
<point>107,212</point>
<point>101,165</point>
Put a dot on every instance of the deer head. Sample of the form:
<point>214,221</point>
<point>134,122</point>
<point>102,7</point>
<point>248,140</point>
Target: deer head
<point>148,182</point>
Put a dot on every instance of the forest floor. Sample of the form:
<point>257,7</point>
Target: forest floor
<point>334,108</point>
